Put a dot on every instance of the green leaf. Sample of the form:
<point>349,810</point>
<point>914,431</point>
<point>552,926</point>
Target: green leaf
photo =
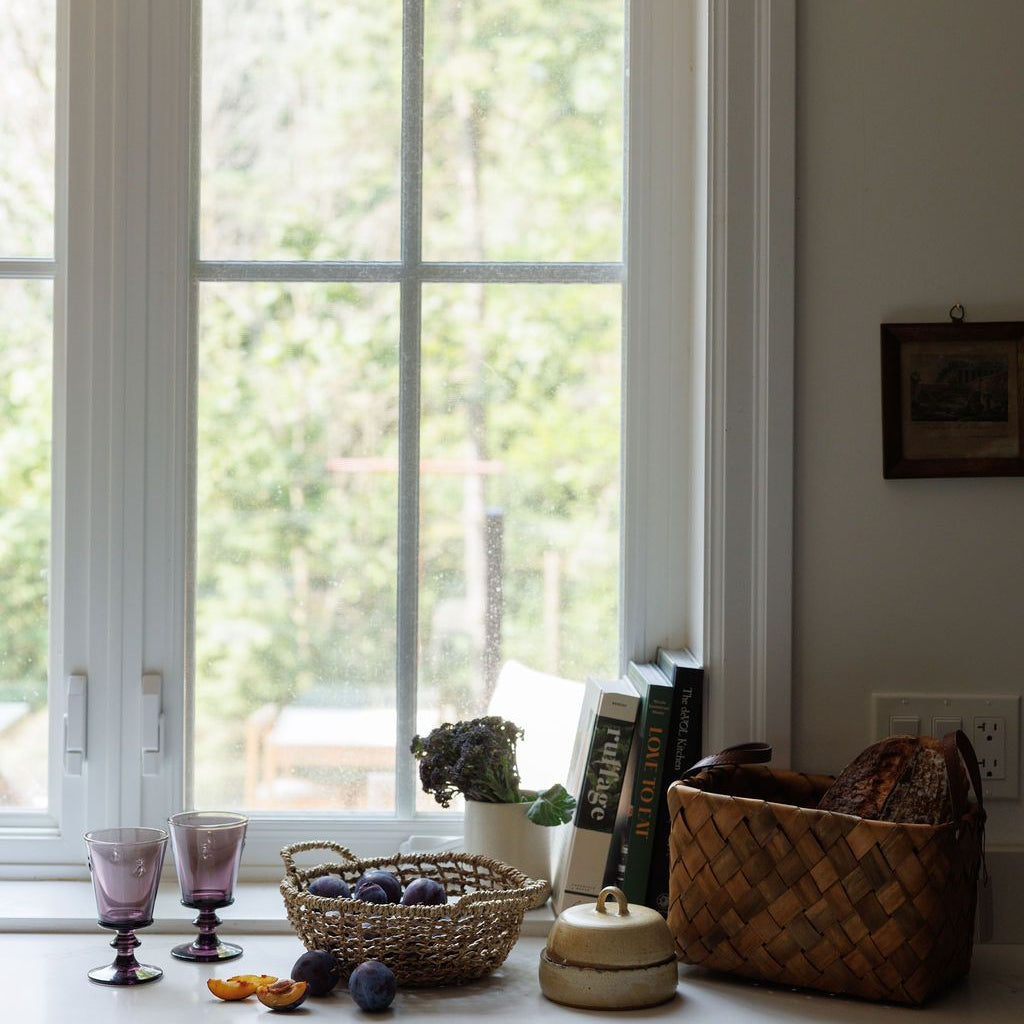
<point>552,807</point>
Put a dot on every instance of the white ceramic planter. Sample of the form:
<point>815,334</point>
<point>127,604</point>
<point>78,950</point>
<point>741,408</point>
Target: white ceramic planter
<point>504,832</point>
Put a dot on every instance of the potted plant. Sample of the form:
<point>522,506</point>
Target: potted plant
<point>477,758</point>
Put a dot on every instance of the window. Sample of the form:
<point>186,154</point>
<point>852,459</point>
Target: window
<point>373,368</point>
<point>408,293</point>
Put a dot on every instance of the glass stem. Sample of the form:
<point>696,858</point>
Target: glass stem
<point>124,943</point>
<point>207,922</point>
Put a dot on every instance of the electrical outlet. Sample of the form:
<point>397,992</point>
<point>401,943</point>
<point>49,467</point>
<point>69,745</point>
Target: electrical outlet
<point>989,739</point>
<point>992,723</point>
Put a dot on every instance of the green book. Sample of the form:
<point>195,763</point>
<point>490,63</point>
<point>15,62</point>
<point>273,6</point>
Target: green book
<point>638,808</point>
<point>684,750</point>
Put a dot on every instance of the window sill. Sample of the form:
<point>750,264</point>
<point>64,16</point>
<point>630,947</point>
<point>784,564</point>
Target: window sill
<point>50,987</point>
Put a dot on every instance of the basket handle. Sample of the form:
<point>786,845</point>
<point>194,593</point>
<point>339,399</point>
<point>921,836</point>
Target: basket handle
<point>288,852</point>
<point>739,753</point>
<point>954,743</point>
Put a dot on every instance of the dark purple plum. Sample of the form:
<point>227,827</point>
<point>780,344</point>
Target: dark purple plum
<point>319,970</point>
<point>331,886</point>
<point>424,892</point>
<point>372,985</point>
<point>372,893</point>
<point>386,880</point>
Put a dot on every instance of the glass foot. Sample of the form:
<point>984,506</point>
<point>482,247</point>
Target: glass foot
<point>114,975</point>
<point>205,953</point>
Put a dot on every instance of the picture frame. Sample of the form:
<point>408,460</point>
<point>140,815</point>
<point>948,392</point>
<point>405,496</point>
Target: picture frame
<point>953,399</point>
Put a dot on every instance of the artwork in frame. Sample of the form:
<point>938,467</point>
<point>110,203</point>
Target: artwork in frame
<point>952,397</point>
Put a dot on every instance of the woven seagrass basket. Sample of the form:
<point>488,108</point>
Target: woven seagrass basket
<point>464,939</point>
<point>764,885</point>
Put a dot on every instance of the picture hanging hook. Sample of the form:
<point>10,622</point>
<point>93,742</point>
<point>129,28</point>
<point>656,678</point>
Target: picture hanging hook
<point>957,313</point>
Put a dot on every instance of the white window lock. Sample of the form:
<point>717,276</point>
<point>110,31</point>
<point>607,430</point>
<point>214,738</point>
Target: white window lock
<point>76,708</point>
<point>152,723</point>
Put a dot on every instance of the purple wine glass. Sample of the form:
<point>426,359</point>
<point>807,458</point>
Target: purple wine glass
<point>125,865</point>
<point>207,852</point>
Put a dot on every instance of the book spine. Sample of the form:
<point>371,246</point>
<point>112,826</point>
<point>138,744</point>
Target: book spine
<point>650,757</point>
<point>585,854</point>
<point>684,750</point>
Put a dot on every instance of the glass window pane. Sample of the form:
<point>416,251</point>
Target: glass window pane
<point>26,371</point>
<point>27,91</point>
<point>523,136</point>
<point>296,546</point>
<point>301,129</point>
<point>519,525</point>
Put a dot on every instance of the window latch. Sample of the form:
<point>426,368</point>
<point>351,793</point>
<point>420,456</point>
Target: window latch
<point>76,706</point>
<point>152,723</point>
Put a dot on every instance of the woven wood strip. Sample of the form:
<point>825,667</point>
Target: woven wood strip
<point>765,885</point>
<point>464,939</point>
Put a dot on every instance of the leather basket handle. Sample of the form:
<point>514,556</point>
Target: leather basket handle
<point>739,753</point>
<point>956,745</point>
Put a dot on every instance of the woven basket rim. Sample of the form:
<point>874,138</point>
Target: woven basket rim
<point>971,813</point>
<point>520,891</point>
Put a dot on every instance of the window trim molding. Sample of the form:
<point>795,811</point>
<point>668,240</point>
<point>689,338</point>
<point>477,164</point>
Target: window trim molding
<point>749,455</point>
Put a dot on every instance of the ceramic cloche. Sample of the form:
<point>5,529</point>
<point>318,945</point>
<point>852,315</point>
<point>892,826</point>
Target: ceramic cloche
<point>599,959</point>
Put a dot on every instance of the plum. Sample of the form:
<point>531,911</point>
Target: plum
<point>386,880</point>
<point>284,994</point>
<point>425,892</point>
<point>372,985</point>
<point>331,886</point>
<point>372,893</point>
<point>319,970</point>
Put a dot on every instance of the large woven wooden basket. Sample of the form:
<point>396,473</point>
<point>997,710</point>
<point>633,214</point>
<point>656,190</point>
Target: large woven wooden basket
<point>466,938</point>
<point>764,885</point>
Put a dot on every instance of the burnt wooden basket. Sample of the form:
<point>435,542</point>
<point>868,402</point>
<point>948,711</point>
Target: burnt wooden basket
<point>464,939</point>
<point>764,885</point>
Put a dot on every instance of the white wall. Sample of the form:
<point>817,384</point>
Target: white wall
<point>910,197</point>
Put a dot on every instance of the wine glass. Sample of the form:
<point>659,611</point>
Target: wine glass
<point>125,865</point>
<point>207,851</point>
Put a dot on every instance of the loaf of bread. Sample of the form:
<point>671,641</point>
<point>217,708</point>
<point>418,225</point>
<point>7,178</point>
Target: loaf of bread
<point>901,778</point>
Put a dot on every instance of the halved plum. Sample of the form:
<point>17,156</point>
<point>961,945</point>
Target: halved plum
<point>284,994</point>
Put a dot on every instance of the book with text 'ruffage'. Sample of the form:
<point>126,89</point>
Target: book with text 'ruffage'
<point>630,862</point>
<point>686,734</point>
<point>604,737</point>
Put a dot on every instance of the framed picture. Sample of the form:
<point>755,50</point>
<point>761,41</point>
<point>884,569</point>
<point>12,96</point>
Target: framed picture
<point>952,399</point>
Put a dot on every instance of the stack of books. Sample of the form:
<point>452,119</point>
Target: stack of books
<point>635,736</point>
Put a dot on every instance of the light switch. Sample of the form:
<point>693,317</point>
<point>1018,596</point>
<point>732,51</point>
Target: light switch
<point>900,725</point>
<point>940,726</point>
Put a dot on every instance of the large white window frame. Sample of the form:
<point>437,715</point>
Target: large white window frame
<point>707,411</point>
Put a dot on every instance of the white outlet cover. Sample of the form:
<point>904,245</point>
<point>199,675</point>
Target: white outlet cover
<point>940,709</point>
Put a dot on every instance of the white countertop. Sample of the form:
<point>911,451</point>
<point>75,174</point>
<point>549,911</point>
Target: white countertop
<point>46,984</point>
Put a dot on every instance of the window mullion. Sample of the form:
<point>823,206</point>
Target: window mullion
<point>409,402</point>
<point>519,272</point>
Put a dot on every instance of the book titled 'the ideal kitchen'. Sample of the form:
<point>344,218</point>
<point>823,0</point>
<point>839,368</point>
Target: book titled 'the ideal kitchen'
<point>596,772</point>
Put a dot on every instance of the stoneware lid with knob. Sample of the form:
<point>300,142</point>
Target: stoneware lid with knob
<point>601,958</point>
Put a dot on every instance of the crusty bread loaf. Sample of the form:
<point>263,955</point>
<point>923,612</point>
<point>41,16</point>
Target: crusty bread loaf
<point>902,778</point>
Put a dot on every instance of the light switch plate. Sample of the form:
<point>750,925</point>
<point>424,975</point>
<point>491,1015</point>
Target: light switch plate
<point>939,713</point>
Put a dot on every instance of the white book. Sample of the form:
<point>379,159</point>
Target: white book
<point>604,736</point>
